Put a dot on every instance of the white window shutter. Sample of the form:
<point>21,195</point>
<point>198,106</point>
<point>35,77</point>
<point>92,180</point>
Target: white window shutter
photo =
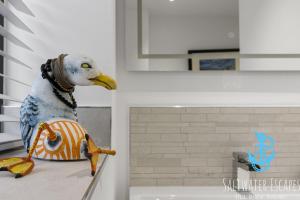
<point>9,15</point>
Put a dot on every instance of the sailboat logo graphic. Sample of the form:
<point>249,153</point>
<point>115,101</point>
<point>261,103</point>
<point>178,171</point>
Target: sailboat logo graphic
<point>264,153</point>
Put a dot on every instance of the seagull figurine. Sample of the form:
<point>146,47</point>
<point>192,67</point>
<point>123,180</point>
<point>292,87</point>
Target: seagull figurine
<point>48,118</point>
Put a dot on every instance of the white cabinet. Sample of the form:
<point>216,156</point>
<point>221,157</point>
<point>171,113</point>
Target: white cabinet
<point>270,27</point>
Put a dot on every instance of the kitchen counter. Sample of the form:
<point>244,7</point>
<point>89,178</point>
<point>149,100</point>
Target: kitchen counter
<point>48,180</point>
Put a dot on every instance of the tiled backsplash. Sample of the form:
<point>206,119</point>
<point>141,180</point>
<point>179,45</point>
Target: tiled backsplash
<point>193,146</point>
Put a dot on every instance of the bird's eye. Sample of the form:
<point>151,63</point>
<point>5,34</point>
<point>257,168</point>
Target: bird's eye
<point>86,66</point>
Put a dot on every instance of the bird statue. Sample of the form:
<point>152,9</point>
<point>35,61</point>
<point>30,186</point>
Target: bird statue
<point>48,118</point>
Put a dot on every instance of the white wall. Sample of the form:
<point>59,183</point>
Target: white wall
<point>269,27</point>
<point>132,60</point>
<point>69,26</point>
<point>184,88</point>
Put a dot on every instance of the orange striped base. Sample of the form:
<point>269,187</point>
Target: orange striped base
<point>68,148</point>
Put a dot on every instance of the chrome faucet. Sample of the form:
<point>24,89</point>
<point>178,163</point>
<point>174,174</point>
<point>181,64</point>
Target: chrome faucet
<point>242,169</point>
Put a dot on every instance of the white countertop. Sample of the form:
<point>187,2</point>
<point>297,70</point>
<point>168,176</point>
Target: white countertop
<point>48,180</point>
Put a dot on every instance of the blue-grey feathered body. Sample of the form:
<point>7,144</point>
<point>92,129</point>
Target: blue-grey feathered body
<point>39,106</point>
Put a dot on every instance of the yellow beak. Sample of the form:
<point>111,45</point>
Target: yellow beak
<point>105,81</point>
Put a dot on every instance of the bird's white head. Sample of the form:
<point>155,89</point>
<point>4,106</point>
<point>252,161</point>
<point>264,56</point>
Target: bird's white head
<point>82,71</point>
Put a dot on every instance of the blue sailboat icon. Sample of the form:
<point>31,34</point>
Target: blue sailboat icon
<point>264,153</point>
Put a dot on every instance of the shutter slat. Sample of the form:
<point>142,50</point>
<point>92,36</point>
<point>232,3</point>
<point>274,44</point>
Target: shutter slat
<point>2,53</point>
<point>9,15</point>
<point>5,97</point>
<point>6,137</point>
<point>6,118</point>
<point>13,79</point>
<point>13,38</point>
<point>10,141</point>
<point>21,6</point>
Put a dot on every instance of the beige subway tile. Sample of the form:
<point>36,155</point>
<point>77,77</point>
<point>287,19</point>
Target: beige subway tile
<point>193,162</point>
<point>215,162</point>
<point>271,110</point>
<point>163,130</point>
<point>170,170</point>
<point>156,162</point>
<point>286,161</point>
<point>195,129</point>
<point>227,169</point>
<point>202,124</point>
<point>140,150</point>
<point>264,118</point>
<point>133,118</point>
<point>167,125</point>
<point>153,155</point>
<point>219,175</point>
<point>145,137</point>
<point>294,155</point>
<point>133,161</point>
<point>177,155</point>
<point>289,118</point>
<point>237,110</point>
<point>197,175</point>
<point>137,130</point>
<point>139,110</point>
<point>193,149</point>
<point>166,144</point>
<point>232,129</point>
<point>287,137</point>
<point>193,117</point>
<point>217,153</point>
<point>166,150</point>
<point>271,124</point>
<point>219,162</point>
<point>133,110</point>
<point>155,175</point>
<point>228,118</point>
<point>159,118</point>
<point>167,110</point>
<point>174,137</point>
<point>242,137</point>
<point>204,170</point>
<point>237,124</point>
<point>208,137</point>
<point>197,170</point>
<point>141,170</point>
<point>279,169</point>
<point>196,144</point>
<point>137,125</point>
<point>266,130</point>
<point>203,110</point>
<point>291,129</point>
<point>294,110</point>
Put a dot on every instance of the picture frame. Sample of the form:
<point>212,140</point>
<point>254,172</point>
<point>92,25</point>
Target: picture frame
<point>211,64</point>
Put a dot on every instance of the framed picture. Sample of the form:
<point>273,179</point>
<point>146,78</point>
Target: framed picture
<point>211,63</point>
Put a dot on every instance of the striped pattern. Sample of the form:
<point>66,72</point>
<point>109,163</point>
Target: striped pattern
<point>72,135</point>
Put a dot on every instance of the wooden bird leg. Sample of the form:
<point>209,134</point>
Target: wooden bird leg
<point>94,152</point>
<point>105,151</point>
<point>51,135</point>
